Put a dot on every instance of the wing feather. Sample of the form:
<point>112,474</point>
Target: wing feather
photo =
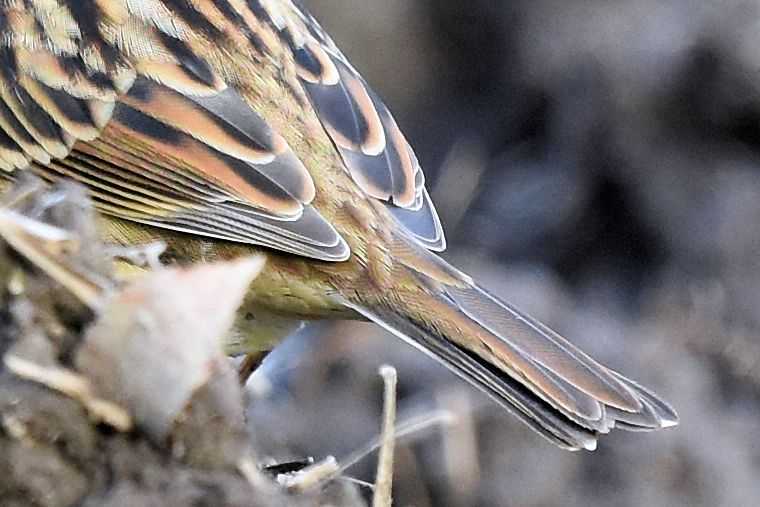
<point>375,152</point>
<point>87,84</point>
<point>128,78</point>
<point>122,96</point>
<point>219,195</point>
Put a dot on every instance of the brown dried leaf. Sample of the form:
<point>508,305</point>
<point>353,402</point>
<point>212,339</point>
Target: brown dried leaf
<point>159,340</point>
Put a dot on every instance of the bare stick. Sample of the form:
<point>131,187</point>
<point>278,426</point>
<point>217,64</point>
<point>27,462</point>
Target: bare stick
<point>329,469</point>
<point>384,478</point>
<point>310,477</point>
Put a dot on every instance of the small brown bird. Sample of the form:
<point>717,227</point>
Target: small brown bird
<point>228,127</point>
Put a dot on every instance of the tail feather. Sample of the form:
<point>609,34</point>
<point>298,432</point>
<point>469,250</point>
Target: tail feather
<point>655,413</point>
<point>536,341</point>
<point>550,384</point>
<point>512,395</point>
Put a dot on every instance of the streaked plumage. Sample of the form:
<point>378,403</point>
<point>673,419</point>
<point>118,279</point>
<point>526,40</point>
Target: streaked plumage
<point>230,126</point>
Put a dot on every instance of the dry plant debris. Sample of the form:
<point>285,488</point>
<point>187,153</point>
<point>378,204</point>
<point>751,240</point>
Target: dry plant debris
<point>115,393</point>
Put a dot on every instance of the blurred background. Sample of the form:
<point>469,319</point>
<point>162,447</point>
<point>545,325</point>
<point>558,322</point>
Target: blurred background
<point>596,163</point>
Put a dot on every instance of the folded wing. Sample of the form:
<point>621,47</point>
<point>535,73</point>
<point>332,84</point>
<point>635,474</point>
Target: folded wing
<point>112,95</point>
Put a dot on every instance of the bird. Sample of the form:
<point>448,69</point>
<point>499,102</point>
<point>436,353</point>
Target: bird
<point>228,128</point>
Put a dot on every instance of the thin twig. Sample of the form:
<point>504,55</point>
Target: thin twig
<point>384,479</point>
<point>408,427</point>
<point>358,482</point>
<point>329,469</point>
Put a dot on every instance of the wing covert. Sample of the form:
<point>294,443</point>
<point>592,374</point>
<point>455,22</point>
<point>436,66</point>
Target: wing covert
<point>112,94</point>
<point>374,150</point>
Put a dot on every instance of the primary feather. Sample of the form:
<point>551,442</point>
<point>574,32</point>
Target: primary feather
<point>240,122</point>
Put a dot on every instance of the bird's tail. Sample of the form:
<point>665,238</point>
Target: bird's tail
<point>532,371</point>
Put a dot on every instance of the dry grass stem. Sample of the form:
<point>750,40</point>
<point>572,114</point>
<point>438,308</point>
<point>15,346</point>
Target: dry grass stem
<point>73,385</point>
<point>384,480</point>
<point>412,426</point>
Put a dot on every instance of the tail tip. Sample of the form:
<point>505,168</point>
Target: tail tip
<point>670,421</point>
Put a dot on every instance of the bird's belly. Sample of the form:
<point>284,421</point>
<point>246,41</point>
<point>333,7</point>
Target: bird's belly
<point>256,329</point>
<point>289,286</point>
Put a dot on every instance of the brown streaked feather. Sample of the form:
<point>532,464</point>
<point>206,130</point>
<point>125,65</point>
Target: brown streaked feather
<point>110,157</point>
<point>34,120</point>
<point>351,119</point>
<point>374,150</point>
<point>122,38</point>
<point>174,151</point>
<point>182,113</point>
<point>529,369</point>
<point>504,389</point>
<point>530,338</point>
<point>194,68</point>
<point>51,67</point>
<point>315,66</point>
<point>134,83</point>
<point>142,201</point>
<point>71,114</point>
<point>11,154</point>
<point>399,153</point>
<point>210,192</point>
<point>66,73</point>
<point>423,223</point>
<point>27,146</point>
<point>177,77</point>
<point>285,168</point>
